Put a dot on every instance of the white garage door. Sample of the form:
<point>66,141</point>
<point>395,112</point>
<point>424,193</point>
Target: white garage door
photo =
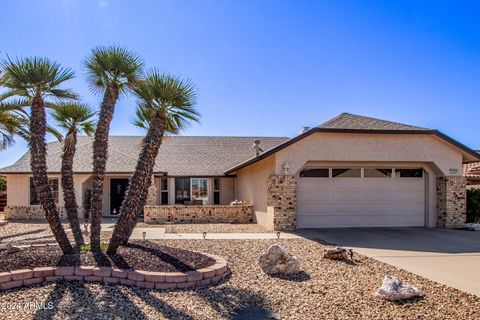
<point>361,198</point>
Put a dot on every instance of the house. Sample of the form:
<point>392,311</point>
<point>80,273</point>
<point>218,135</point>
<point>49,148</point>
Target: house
<point>351,171</point>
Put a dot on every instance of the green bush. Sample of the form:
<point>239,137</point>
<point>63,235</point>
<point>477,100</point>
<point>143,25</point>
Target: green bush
<point>3,184</point>
<point>473,205</point>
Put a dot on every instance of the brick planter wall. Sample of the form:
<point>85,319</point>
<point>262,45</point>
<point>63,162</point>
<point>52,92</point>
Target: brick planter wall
<point>282,201</point>
<point>451,202</point>
<point>34,213</point>
<point>198,214</point>
<point>139,278</point>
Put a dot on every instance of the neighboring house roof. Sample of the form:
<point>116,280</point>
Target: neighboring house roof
<point>178,156</point>
<point>350,123</point>
<point>472,170</point>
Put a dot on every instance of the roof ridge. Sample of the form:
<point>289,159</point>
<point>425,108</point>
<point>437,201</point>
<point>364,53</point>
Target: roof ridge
<point>345,116</point>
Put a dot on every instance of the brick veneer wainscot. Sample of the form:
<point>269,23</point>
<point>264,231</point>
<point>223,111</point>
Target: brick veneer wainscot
<point>451,202</point>
<point>198,214</point>
<point>282,201</point>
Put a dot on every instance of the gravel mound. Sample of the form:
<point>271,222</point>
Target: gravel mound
<point>140,255</point>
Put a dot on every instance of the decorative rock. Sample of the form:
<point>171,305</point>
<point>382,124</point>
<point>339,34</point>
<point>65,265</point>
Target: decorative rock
<point>393,289</point>
<point>278,260</point>
<point>12,249</point>
<point>337,253</point>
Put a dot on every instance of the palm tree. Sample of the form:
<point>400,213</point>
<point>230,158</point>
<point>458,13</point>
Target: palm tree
<point>74,118</point>
<point>112,71</point>
<point>166,105</point>
<point>9,126</point>
<point>38,79</point>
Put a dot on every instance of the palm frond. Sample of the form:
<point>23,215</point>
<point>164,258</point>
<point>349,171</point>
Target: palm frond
<point>35,77</point>
<point>74,117</point>
<point>112,65</point>
<point>173,96</point>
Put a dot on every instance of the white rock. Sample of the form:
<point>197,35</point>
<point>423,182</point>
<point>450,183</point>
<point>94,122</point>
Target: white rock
<point>472,226</point>
<point>278,260</point>
<point>393,289</point>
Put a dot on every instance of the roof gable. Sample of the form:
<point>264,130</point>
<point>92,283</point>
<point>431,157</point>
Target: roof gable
<point>356,122</point>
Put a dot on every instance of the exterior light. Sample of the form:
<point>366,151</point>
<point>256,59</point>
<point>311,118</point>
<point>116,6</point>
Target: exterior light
<point>204,235</point>
<point>286,167</point>
<point>278,235</point>
<point>144,235</point>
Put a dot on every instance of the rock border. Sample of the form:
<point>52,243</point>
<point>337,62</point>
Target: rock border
<point>139,278</point>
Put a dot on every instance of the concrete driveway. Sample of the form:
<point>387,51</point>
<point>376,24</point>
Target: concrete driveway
<point>450,257</point>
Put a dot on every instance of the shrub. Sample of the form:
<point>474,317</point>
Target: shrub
<point>3,184</point>
<point>473,205</point>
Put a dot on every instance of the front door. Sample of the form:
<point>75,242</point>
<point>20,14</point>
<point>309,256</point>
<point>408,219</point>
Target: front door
<point>118,188</point>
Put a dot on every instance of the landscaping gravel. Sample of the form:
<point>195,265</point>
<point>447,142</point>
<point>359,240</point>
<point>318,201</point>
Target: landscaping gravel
<point>138,255</point>
<point>325,289</point>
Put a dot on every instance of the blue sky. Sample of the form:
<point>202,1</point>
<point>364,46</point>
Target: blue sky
<point>270,67</point>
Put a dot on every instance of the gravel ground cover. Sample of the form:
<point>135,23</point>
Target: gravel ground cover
<point>33,232</point>
<point>325,289</point>
<point>139,255</point>
<point>210,228</point>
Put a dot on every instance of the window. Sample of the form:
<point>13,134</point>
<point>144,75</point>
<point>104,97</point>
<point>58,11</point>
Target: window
<point>346,173</point>
<point>163,191</point>
<point>409,173</point>
<point>377,173</point>
<point>314,173</point>
<point>182,190</point>
<point>199,190</point>
<point>53,182</point>
<point>216,191</point>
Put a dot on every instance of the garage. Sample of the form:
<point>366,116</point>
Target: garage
<point>361,197</point>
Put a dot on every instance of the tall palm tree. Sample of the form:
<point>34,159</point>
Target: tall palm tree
<point>74,118</point>
<point>38,79</point>
<point>112,71</point>
<point>166,105</point>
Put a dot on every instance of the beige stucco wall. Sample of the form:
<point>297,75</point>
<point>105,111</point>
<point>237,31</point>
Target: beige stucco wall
<point>19,189</point>
<point>252,183</point>
<point>370,147</point>
<point>227,190</point>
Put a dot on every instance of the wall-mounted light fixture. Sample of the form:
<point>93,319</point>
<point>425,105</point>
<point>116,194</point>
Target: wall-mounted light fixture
<point>286,167</point>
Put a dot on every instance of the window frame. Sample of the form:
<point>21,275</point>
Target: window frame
<point>163,191</point>
<point>204,200</point>
<point>216,191</point>
<point>392,172</point>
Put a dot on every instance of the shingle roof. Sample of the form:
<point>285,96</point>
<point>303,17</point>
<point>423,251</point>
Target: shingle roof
<point>351,123</point>
<point>179,155</point>
<point>356,122</point>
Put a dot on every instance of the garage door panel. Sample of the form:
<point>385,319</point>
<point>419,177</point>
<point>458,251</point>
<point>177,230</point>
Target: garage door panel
<point>361,202</point>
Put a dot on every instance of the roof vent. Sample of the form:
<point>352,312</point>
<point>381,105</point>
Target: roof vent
<point>304,129</point>
<point>256,146</point>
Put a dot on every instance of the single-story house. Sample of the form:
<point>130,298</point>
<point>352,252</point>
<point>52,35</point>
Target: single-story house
<point>351,171</point>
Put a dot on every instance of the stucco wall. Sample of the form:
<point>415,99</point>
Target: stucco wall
<point>227,190</point>
<point>370,147</point>
<point>252,185</point>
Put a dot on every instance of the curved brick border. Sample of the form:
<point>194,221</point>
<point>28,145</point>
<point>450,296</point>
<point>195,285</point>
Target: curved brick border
<point>139,278</point>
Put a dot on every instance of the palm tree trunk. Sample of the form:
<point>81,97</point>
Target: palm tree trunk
<point>38,164</point>
<point>100,155</point>
<point>69,189</point>
<point>137,192</point>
